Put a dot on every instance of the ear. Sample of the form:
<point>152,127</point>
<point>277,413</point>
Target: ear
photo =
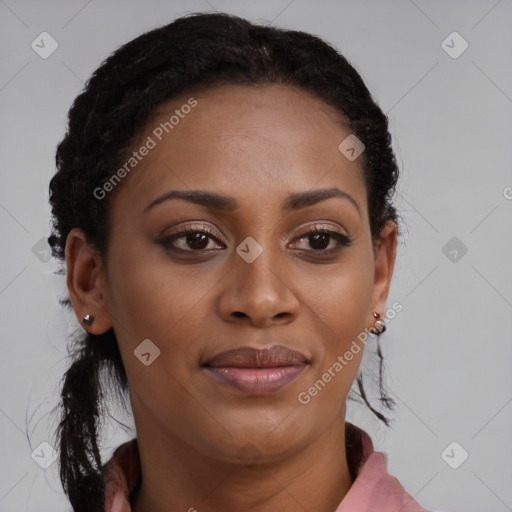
<point>385,255</point>
<point>86,282</point>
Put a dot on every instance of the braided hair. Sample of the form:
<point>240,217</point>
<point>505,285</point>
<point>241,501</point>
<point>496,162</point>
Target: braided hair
<point>196,51</point>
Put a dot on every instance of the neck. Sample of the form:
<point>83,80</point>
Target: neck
<point>178,477</point>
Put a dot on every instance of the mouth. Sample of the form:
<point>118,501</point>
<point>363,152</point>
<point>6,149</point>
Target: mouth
<point>257,372</point>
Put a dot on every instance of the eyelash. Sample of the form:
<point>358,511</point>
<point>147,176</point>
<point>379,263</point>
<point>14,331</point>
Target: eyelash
<point>342,239</point>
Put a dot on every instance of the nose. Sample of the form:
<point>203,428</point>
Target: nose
<point>261,293</point>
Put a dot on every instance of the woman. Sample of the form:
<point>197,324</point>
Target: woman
<point>223,206</point>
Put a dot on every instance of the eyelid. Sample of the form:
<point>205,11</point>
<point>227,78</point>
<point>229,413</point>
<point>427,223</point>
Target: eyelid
<point>318,225</point>
<point>187,227</point>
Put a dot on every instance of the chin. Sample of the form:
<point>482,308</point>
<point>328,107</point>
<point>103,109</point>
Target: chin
<point>253,439</point>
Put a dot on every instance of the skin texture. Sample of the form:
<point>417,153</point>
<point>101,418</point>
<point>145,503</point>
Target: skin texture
<point>258,145</point>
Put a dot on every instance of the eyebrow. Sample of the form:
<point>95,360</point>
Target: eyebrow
<point>216,201</point>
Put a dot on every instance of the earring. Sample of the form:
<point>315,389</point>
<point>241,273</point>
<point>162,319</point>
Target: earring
<point>88,319</point>
<point>379,325</point>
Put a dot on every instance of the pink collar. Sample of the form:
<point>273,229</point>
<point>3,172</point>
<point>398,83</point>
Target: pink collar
<point>373,487</point>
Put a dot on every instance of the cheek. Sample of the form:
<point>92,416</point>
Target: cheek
<point>342,306</point>
<point>151,299</point>
<point>341,299</point>
<point>149,296</point>
<point>342,303</point>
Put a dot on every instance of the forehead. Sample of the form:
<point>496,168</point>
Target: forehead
<point>256,143</point>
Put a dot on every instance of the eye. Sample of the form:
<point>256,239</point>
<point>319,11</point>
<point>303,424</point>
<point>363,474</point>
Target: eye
<point>195,239</point>
<point>190,239</point>
<point>321,238</point>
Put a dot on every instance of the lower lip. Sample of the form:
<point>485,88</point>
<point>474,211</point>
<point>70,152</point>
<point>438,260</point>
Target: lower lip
<point>257,381</point>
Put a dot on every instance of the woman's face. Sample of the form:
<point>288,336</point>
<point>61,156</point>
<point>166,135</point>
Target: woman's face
<point>253,272</point>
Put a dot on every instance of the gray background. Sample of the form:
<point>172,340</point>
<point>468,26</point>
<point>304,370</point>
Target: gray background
<point>448,352</point>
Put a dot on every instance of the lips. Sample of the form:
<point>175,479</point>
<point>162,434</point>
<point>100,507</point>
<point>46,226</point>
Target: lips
<point>257,372</point>
<point>247,357</point>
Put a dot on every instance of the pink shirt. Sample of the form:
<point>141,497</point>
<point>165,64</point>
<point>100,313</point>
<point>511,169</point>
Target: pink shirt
<point>373,488</point>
